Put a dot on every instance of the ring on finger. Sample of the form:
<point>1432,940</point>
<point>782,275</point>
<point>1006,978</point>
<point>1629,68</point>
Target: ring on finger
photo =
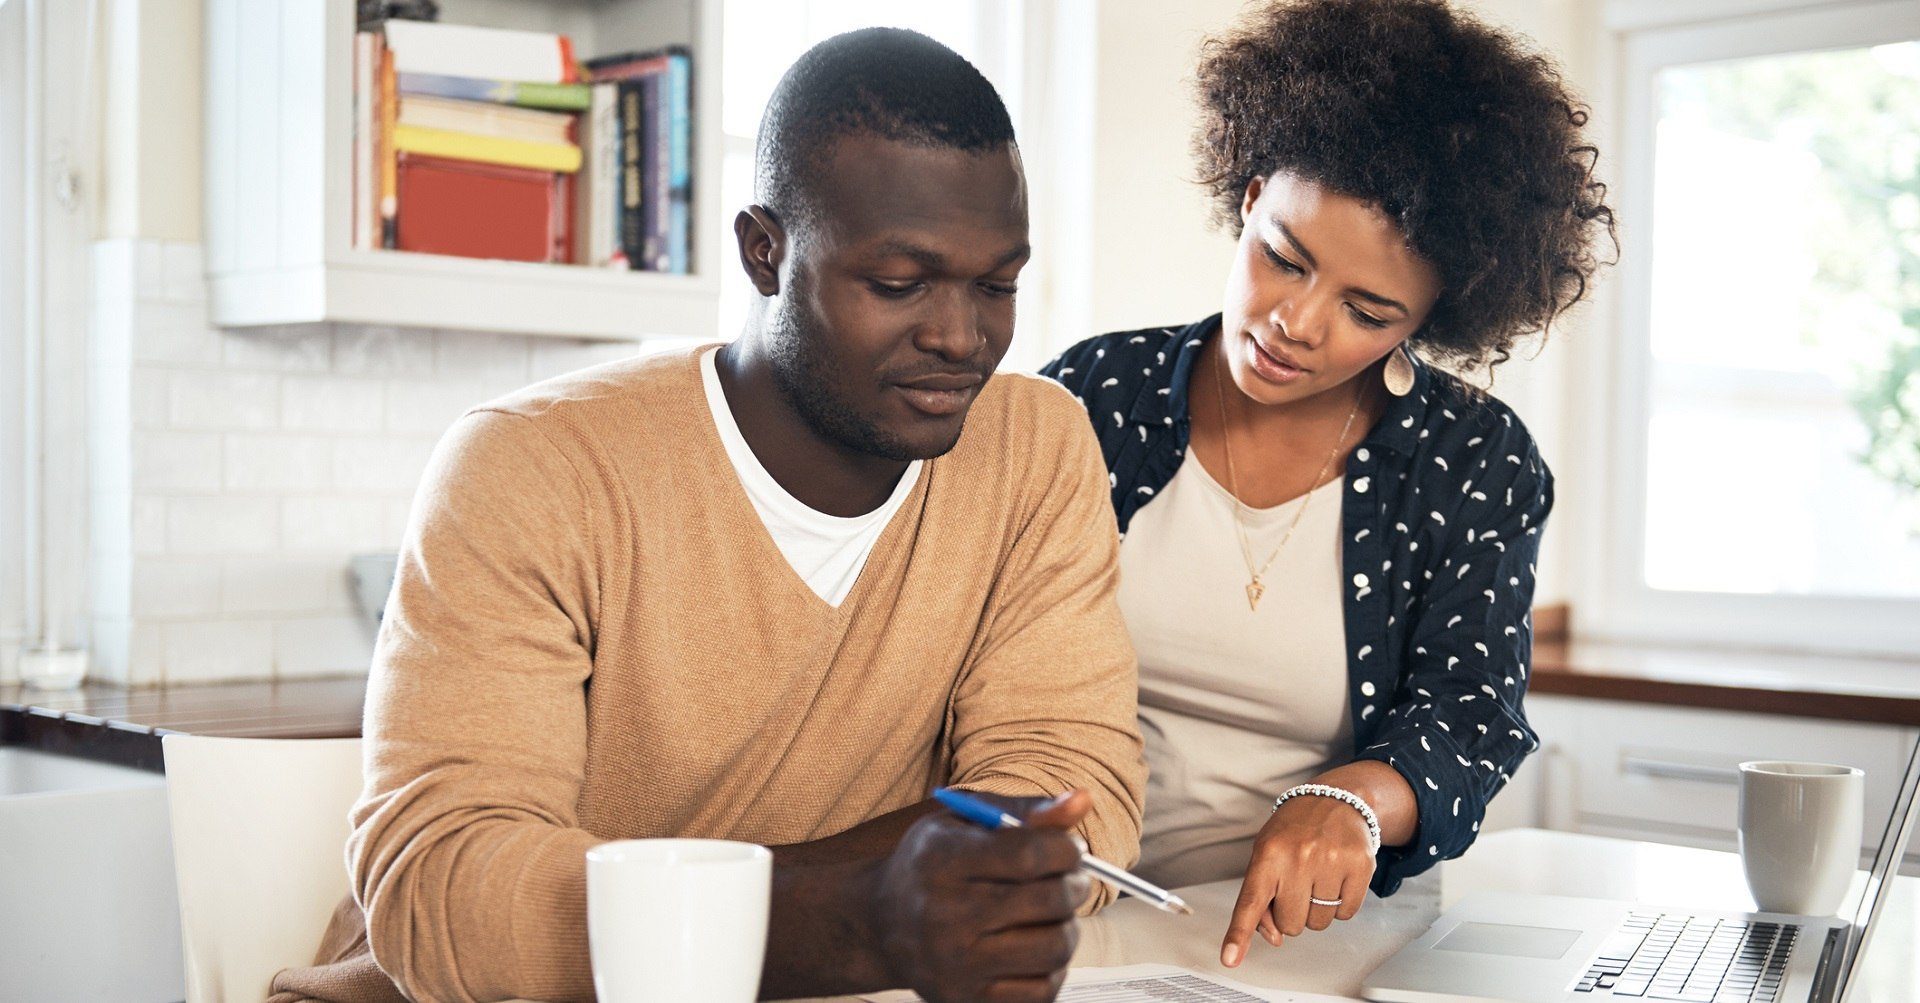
<point>1331,903</point>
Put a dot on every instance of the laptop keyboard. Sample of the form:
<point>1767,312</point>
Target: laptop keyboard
<point>1696,959</point>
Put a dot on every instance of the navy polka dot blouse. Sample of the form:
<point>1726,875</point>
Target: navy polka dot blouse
<point>1441,521</point>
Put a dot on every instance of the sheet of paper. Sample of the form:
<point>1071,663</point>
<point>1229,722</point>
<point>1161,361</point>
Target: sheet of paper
<point>1152,984</point>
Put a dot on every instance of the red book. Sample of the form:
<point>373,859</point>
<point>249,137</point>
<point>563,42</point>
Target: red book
<point>475,210</point>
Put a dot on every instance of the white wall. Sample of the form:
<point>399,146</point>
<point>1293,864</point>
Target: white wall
<point>1155,258</point>
<point>150,119</point>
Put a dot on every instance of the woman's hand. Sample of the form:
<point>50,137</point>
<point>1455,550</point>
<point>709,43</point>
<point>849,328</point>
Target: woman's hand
<point>1312,848</point>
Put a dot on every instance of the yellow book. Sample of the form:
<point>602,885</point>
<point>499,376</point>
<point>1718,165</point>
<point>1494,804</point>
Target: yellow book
<point>563,158</point>
<point>485,119</point>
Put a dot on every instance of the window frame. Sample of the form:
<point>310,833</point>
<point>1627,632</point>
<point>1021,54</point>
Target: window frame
<point>13,325</point>
<point>47,597</point>
<point>1620,603</point>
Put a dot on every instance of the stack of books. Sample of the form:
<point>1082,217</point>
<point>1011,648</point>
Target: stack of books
<point>496,143</point>
<point>637,208</point>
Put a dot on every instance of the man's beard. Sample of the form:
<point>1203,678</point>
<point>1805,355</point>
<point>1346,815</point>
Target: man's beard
<point>808,378</point>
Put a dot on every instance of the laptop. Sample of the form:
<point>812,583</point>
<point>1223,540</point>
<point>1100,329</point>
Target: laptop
<point>1539,948</point>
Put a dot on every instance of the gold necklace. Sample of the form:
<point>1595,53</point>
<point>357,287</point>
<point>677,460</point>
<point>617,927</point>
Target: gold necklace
<point>1254,587</point>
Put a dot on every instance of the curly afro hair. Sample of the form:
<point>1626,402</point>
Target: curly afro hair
<point>1466,139</point>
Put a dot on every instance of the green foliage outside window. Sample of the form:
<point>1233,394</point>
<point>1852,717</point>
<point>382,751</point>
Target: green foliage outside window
<point>1858,113</point>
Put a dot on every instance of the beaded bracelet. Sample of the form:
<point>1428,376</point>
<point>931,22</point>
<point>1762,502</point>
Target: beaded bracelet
<point>1339,794</point>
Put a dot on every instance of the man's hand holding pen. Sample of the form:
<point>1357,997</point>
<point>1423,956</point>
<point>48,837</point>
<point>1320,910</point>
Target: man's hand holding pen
<point>964,912</point>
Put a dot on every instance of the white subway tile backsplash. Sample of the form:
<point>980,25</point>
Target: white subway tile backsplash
<point>382,351</point>
<point>125,652</point>
<point>266,461</point>
<point>416,407</point>
<point>337,525</point>
<point>322,646</point>
<point>176,461</point>
<point>399,513</point>
<point>110,658</point>
<point>277,584</point>
<point>297,348</point>
<point>390,466</point>
<point>150,263</point>
<point>332,404</point>
<point>147,393</point>
<point>222,524</point>
<point>176,587</point>
<point>234,472</point>
<point>146,656</point>
<point>183,273</point>
<point>148,529</point>
<point>210,650</point>
<point>490,357</point>
<point>174,333</point>
<point>222,401</point>
<point>553,357</point>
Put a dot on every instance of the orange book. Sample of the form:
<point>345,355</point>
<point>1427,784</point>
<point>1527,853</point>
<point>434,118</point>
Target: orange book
<point>475,210</point>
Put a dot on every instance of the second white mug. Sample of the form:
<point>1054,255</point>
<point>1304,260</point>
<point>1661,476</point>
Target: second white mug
<point>1800,834</point>
<point>678,920</point>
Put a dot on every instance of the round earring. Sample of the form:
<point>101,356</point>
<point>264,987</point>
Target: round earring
<point>1398,372</point>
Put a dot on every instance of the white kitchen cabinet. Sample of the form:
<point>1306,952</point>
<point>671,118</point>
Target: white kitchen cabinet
<point>279,180</point>
<point>1670,774</point>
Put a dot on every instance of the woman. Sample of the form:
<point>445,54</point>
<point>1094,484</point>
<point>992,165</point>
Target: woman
<point>1328,547</point>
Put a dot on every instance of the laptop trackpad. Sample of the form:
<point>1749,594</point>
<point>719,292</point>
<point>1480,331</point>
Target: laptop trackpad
<point>1513,941</point>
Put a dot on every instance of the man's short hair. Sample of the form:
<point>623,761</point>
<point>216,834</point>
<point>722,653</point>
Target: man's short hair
<point>887,82</point>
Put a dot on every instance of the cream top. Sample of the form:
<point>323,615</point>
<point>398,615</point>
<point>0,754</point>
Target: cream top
<point>1236,705</point>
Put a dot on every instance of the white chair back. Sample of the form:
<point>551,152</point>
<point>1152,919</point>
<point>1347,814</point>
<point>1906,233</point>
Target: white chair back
<point>259,841</point>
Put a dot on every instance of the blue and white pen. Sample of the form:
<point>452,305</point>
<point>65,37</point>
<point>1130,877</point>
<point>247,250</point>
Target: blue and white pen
<point>986,815</point>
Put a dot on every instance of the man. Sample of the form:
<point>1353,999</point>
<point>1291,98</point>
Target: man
<point>772,592</point>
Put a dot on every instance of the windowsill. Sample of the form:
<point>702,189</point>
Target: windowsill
<point>1841,687</point>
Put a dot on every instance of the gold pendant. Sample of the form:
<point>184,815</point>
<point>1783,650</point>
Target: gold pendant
<point>1254,591</point>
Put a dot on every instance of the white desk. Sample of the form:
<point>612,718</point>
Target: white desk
<point>1335,961</point>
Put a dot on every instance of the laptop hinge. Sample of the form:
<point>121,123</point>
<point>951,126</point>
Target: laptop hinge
<point>1826,977</point>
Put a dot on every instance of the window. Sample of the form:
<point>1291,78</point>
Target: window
<point>1771,333</point>
<point>763,39</point>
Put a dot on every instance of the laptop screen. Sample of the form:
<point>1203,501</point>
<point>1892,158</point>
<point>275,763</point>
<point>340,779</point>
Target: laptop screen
<point>1886,864</point>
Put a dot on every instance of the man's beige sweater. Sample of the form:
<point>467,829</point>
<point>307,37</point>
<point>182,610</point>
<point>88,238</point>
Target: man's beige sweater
<point>593,637</point>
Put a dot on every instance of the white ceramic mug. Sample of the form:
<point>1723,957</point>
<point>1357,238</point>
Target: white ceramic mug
<point>678,920</point>
<point>1800,834</point>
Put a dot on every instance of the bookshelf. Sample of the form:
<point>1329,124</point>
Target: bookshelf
<point>279,169</point>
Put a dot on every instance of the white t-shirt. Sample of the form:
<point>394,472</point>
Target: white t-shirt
<point>826,551</point>
<point>1236,704</point>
